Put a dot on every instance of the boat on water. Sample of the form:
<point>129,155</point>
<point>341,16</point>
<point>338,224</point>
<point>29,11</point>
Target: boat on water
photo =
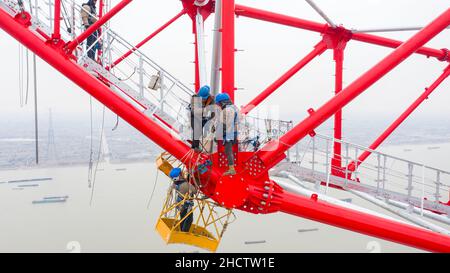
<point>30,180</point>
<point>56,197</point>
<point>28,186</point>
<point>49,201</point>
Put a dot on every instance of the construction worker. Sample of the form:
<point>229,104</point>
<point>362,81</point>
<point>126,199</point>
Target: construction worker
<point>184,191</point>
<point>201,113</point>
<point>227,125</point>
<point>89,17</point>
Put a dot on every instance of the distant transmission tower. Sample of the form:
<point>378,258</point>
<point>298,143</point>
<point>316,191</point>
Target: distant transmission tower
<point>52,155</point>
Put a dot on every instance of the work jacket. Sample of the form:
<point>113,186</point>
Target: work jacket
<point>183,187</point>
<point>88,15</point>
<point>205,112</point>
<point>228,122</point>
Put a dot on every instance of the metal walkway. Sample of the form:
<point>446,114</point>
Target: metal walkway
<point>382,176</point>
<point>165,101</point>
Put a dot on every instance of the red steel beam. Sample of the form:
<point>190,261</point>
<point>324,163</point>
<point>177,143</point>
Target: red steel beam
<point>94,87</point>
<point>440,54</point>
<point>228,49</point>
<point>401,119</point>
<point>196,62</point>
<point>337,146</point>
<point>275,148</point>
<point>318,50</point>
<point>364,223</point>
<point>101,21</point>
<point>57,24</point>
<point>281,19</point>
<point>277,18</point>
<point>147,39</point>
<point>101,8</point>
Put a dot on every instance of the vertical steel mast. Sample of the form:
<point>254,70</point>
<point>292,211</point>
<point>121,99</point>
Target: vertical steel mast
<point>228,48</point>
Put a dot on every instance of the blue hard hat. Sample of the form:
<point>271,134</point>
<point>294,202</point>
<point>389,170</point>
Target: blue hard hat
<point>175,172</point>
<point>222,97</point>
<point>204,92</point>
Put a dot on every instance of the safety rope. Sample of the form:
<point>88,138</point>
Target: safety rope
<point>20,75</point>
<point>307,147</point>
<point>24,75</point>
<point>98,156</point>
<point>153,191</point>
<point>27,76</point>
<point>117,123</point>
<point>90,171</point>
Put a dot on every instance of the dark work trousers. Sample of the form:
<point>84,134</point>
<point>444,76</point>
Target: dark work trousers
<point>228,145</point>
<point>89,42</point>
<point>197,126</point>
<point>197,131</point>
<point>185,225</point>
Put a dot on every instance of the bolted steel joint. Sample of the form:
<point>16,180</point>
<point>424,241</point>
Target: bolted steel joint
<point>446,57</point>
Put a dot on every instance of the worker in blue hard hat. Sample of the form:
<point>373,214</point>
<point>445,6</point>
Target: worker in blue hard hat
<point>227,128</point>
<point>201,113</point>
<point>88,18</point>
<point>185,191</point>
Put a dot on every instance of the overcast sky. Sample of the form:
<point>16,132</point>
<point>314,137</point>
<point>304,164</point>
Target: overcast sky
<point>268,51</point>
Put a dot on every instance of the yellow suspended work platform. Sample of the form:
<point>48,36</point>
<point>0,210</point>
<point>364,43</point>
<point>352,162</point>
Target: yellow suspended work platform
<point>208,219</point>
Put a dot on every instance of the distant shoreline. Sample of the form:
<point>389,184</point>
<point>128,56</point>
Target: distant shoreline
<point>438,142</point>
<point>75,165</point>
<point>432,146</point>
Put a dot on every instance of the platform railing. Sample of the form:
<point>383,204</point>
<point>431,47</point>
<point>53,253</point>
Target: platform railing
<point>137,71</point>
<point>383,173</point>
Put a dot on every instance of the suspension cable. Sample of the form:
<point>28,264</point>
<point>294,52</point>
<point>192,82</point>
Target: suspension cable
<point>153,191</point>
<point>20,75</point>
<point>27,76</point>
<point>98,156</point>
<point>91,163</point>
<point>117,123</point>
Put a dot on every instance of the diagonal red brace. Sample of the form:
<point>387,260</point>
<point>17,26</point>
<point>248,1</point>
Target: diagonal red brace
<point>143,42</point>
<point>352,166</point>
<point>94,87</point>
<point>318,50</point>
<point>275,148</point>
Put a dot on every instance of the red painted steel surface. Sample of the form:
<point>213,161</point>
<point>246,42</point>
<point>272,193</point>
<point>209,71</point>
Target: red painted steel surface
<point>252,190</point>
<point>317,51</point>
<point>273,17</point>
<point>364,223</point>
<point>57,20</point>
<point>336,162</point>
<point>151,36</point>
<point>228,48</point>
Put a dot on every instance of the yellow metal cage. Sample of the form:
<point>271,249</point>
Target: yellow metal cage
<point>209,219</point>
